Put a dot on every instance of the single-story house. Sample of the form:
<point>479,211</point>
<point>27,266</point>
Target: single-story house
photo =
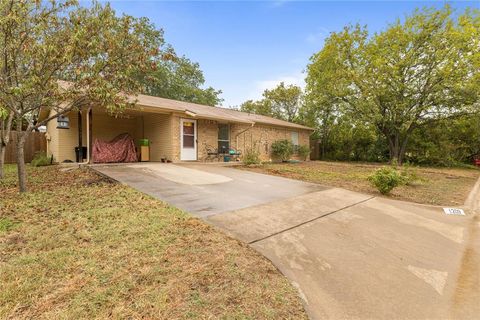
<point>176,130</point>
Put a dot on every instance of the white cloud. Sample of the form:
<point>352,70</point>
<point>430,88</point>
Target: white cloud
<point>318,37</point>
<point>262,85</point>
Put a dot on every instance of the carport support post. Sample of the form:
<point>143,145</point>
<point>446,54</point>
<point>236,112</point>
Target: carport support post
<point>80,142</point>
<point>89,135</point>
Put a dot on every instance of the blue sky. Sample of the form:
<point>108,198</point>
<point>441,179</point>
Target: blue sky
<point>245,47</point>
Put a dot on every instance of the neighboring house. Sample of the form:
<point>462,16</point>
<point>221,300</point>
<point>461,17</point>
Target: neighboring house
<point>177,131</point>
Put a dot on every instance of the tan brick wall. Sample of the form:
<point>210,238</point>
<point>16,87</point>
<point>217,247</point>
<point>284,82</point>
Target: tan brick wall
<point>157,128</point>
<point>175,134</point>
<point>207,137</point>
<point>261,138</point>
<point>243,136</point>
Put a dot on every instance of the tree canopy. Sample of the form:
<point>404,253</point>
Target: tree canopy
<point>282,102</point>
<point>46,42</point>
<point>181,79</point>
<point>415,73</point>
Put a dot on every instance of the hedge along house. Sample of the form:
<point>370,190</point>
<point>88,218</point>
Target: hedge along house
<point>177,131</point>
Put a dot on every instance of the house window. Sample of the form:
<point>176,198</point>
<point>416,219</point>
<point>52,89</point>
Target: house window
<point>63,122</point>
<point>294,136</point>
<point>223,138</point>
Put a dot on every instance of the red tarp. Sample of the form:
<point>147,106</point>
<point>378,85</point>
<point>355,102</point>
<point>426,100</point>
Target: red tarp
<point>120,149</point>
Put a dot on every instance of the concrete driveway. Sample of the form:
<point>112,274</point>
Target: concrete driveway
<point>206,189</point>
<point>350,255</point>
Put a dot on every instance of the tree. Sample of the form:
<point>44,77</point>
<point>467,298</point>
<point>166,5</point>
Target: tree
<point>98,53</point>
<point>6,121</point>
<point>282,102</point>
<point>261,107</point>
<point>181,79</point>
<point>413,74</point>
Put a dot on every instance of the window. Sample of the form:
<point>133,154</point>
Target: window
<point>223,138</point>
<point>295,138</point>
<point>188,135</point>
<point>63,122</point>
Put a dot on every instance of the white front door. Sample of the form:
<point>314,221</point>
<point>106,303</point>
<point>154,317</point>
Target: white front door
<point>188,139</point>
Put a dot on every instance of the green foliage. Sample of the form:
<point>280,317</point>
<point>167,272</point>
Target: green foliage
<point>282,102</point>
<point>413,74</point>
<point>409,174</point>
<point>303,152</point>
<point>41,159</point>
<point>282,149</point>
<point>59,56</point>
<point>386,179</point>
<point>98,52</point>
<point>181,79</point>
<point>251,156</point>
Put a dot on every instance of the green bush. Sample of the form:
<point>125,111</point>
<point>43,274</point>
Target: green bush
<point>304,152</point>
<point>409,174</point>
<point>251,156</point>
<point>386,179</point>
<point>41,159</point>
<point>282,149</point>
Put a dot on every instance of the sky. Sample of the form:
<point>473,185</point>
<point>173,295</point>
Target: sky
<point>245,47</point>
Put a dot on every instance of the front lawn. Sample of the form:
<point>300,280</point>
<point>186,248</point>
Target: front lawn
<point>79,247</point>
<point>437,186</point>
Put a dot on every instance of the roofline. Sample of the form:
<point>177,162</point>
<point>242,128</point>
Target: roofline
<point>185,110</point>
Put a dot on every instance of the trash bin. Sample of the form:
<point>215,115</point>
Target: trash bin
<point>144,142</point>
<point>80,154</point>
<point>226,159</point>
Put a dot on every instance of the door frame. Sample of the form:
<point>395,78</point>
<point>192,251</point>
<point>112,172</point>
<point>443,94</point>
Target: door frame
<point>195,135</point>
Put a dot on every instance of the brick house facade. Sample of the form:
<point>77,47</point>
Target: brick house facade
<point>161,121</point>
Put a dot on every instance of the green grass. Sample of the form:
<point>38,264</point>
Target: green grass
<point>79,247</point>
<point>436,186</point>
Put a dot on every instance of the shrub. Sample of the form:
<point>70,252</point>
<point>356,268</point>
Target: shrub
<point>409,174</point>
<point>251,156</point>
<point>303,152</point>
<point>41,159</point>
<point>386,179</point>
<point>282,149</point>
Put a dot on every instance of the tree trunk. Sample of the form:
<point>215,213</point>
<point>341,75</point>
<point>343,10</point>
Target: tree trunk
<point>3,148</point>
<point>394,150</point>
<point>22,173</point>
<point>5,128</point>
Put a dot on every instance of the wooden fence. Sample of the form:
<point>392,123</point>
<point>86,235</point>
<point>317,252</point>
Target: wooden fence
<point>35,142</point>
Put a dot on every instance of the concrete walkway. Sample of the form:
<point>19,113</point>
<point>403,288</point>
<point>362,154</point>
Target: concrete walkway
<point>352,256</point>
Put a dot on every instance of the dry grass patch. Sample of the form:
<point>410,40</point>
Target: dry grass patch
<point>79,247</point>
<point>436,186</point>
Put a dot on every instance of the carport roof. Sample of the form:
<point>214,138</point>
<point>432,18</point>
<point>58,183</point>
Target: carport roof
<point>209,112</point>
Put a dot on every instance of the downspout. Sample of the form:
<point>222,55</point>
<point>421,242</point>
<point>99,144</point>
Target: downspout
<point>243,131</point>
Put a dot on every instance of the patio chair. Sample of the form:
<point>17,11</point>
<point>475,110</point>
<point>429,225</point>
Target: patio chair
<point>211,152</point>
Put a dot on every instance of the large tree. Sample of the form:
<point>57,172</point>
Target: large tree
<point>282,102</point>
<point>181,79</point>
<point>414,73</point>
<point>99,53</point>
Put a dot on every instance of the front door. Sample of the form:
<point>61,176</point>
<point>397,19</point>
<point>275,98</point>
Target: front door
<point>188,137</point>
